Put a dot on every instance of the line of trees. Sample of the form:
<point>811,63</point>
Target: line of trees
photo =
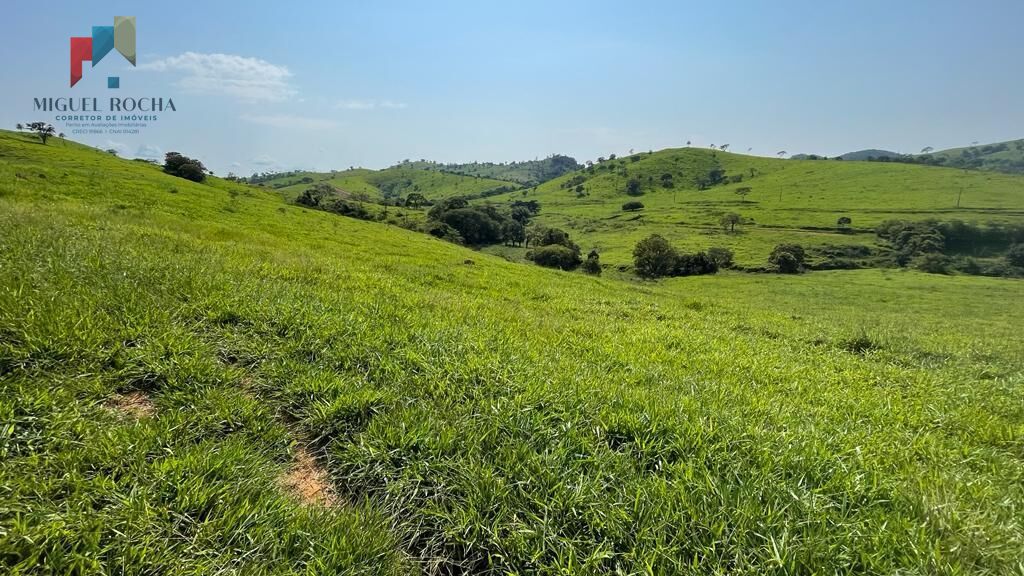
<point>655,257</point>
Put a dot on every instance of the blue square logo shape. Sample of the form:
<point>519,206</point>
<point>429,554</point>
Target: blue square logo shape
<point>113,82</point>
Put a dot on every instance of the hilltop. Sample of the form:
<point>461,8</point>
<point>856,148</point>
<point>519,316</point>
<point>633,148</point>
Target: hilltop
<point>207,378</point>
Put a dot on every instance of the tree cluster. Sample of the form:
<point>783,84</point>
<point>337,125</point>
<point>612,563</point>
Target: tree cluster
<point>181,166</point>
<point>655,257</point>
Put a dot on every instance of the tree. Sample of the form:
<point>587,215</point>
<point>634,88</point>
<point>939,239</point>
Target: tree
<point>181,166</point>
<point>19,126</point>
<point>688,143</point>
<point>723,147</point>
<point>743,192</point>
<point>782,153</point>
<point>415,200</point>
<point>722,257</point>
<point>730,221</point>
<point>592,265</point>
<point>61,136</point>
<point>112,151</point>
<point>513,232</point>
<point>844,222</point>
<point>42,129</point>
<point>556,256</point>
<point>694,264</point>
<point>654,257</point>
<point>633,187</point>
<point>927,150</point>
<point>632,206</point>
<point>1015,255</point>
<point>667,181</point>
<point>788,258</point>
<point>475,226</point>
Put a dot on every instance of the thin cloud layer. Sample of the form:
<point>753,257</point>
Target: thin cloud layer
<point>241,77</point>
<point>369,104</point>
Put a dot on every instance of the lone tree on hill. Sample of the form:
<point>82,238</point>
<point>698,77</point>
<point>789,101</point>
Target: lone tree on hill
<point>723,147</point>
<point>927,150</point>
<point>743,191</point>
<point>184,167</point>
<point>19,126</point>
<point>782,153</point>
<point>42,129</point>
<point>844,222</point>
<point>730,220</point>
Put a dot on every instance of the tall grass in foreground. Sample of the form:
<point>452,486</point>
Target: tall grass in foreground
<point>486,418</point>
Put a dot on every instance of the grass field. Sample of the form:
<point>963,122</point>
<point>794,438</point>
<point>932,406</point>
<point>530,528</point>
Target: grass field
<point>176,358</point>
<point>795,201</point>
<point>376,185</point>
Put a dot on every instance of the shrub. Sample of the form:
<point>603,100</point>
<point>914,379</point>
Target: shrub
<point>695,264</point>
<point>788,258</point>
<point>1015,255</point>
<point>592,265</point>
<point>632,206</point>
<point>556,256</point>
<point>933,263</point>
<point>722,257</point>
<point>633,187</point>
<point>654,257</point>
<point>443,231</point>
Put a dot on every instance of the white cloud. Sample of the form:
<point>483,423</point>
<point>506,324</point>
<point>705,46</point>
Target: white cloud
<point>149,152</point>
<point>263,161</point>
<point>289,121</point>
<point>241,77</point>
<point>369,104</point>
<point>119,147</point>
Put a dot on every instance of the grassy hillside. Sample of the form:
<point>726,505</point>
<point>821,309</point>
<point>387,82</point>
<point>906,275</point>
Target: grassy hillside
<point>999,157</point>
<point>179,362</point>
<point>378,185</point>
<point>527,173</point>
<point>789,201</point>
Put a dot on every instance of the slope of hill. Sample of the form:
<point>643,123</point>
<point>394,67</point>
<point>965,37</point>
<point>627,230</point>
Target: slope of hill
<point>391,183</point>
<point>202,378</point>
<point>786,201</point>
<point>527,173</point>
<point>1000,157</point>
<point>862,155</point>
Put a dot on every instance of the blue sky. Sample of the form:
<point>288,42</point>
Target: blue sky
<point>274,85</point>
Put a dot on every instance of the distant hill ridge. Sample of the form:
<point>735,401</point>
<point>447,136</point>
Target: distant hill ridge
<point>527,173</point>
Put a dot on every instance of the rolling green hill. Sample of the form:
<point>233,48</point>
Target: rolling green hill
<point>999,157</point>
<point>527,173</point>
<point>390,183</point>
<point>795,201</point>
<point>204,378</point>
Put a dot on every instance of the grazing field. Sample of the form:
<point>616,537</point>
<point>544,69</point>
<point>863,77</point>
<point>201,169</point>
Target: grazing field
<point>206,379</point>
<point>798,201</point>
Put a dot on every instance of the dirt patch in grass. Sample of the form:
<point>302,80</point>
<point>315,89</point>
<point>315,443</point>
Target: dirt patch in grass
<point>308,481</point>
<point>133,404</point>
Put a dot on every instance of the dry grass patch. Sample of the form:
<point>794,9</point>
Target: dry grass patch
<point>134,404</point>
<point>308,481</point>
